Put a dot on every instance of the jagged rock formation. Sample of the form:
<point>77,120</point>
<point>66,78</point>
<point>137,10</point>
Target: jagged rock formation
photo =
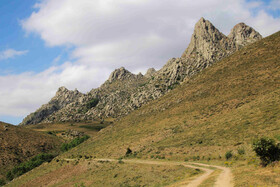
<point>124,91</point>
<point>242,34</point>
<point>150,72</point>
<point>208,44</point>
<point>62,98</point>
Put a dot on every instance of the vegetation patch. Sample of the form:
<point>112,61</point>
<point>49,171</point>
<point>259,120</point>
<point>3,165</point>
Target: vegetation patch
<point>2,182</point>
<point>93,127</point>
<point>228,155</point>
<point>267,150</point>
<point>29,165</point>
<point>92,103</point>
<point>67,146</point>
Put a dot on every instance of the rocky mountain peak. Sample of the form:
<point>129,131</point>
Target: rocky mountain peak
<point>61,90</point>
<point>62,98</point>
<point>119,74</point>
<point>209,44</point>
<point>150,72</point>
<point>63,93</point>
<point>243,34</point>
<point>205,40</point>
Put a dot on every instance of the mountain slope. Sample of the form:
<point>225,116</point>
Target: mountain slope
<point>18,144</point>
<point>232,102</point>
<point>220,109</point>
<point>124,91</point>
<point>223,108</point>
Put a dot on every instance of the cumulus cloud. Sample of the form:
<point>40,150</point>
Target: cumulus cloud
<point>21,94</point>
<point>11,53</point>
<point>107,34</point>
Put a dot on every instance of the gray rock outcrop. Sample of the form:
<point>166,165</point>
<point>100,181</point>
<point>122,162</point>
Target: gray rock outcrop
<point>125,91</point>
<point>150,72</point>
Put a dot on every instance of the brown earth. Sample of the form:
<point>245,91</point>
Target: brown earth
<point>18,144</point>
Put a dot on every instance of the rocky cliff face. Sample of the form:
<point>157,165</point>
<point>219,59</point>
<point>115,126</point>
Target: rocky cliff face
<point>125,91</point>
<point>62,98</point>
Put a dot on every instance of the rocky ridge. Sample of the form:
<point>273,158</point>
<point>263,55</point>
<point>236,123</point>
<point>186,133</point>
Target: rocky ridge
<point>125,91</point>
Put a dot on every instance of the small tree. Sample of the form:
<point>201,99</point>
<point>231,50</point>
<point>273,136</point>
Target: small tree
<point>128,152</point>
<point>267,150</point>
<point>228,155</point>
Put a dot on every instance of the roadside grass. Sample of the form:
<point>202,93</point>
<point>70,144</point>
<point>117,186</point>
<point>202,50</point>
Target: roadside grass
<point>210,181</point>
<point>104,174</point>
<point>254,175</point>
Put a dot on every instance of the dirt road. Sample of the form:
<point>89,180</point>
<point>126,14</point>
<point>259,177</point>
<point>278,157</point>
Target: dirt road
<point>225,179</point>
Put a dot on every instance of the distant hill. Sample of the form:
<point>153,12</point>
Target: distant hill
<point>18,144</point>
<point>124,91</point>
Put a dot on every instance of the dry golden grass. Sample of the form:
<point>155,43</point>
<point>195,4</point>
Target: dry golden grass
<point>210,181</point>
<point>18,144</point>
<point>93,173</point>
<point>254,175</point>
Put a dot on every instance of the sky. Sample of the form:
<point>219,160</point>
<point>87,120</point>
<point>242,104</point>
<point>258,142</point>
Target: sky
<point>45,44</point>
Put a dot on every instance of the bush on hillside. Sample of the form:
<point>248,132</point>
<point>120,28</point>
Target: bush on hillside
<point>228,155</point>
<point>29,165</point>
<point>128,152</point>
<point>2,182</point>
<point>241,151</point>
<point>92,103</point>
<point>267,150</point>
<point>73,143</point>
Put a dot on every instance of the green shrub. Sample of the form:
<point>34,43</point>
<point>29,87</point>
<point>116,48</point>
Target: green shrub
<point>128,152</point>
<point>2,182</point>
<point>92,103</point>
<point>73,143</point>
<point>267,150</point>
<point>29,165</point>
<point>241,151</point>
<point>196,158</point>
<point>120,161</point>
<point>228,155</point>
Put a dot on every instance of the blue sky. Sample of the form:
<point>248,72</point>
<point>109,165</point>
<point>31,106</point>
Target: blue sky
<point>44,46</point>
<point>39,56</point>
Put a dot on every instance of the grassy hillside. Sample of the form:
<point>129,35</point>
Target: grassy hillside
<point>224,107</point>
<point>99,174</point>
<point>18,144</point>
<point>221,109</point>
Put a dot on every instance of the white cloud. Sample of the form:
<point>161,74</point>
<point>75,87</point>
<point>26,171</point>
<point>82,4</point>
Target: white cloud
<point>136,33</point>
<point>107,34</point>
<point>11,53</point>
<point>21,94</point>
